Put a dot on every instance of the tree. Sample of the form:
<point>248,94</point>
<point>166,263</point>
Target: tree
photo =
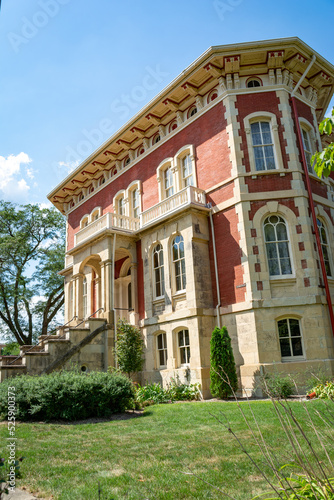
<point>223,373</point>
<point>324,161</point>
<point>32,246</point>
<point>129,348</point>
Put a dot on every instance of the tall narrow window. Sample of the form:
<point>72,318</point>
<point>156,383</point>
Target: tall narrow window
<point>158,271</point>
<point>121,206</point>
<point>184,347</point>
<point>168,182</point>
<point>179,264</point>
<point>84,298</point>
<point>130,296</point>
<point>307,150</point>
<point>324,246</point>
<point>277,246</point>
<point>187,171</point>
<point>135,203</point>
<point>71,301</point>
<point>263,146</point>
<point>162,349</point>
<point>290,338</point>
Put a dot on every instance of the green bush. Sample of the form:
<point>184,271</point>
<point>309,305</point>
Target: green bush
<point>67,395</point>
<point>12,348</point>
<point>223,373</point>
<point>129,348</point>
<point>277,385</point>
<point>176,391</point>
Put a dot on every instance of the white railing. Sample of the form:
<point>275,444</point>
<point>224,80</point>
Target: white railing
<point>189,195</point>
<point>107,221</point>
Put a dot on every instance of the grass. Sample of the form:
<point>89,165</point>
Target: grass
<point>150,457</point>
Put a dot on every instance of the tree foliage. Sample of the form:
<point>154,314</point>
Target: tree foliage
<point>324,161</point>
<point>32,246</point>
<point>129,348</point>
<point>223,373</point>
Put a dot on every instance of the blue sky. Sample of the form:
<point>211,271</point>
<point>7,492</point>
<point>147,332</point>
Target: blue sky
<point>73,71</point>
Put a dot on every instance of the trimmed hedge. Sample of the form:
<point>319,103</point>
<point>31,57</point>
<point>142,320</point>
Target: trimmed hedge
<point>67,395</point>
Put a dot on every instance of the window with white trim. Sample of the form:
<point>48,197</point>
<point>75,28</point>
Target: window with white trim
<point>168,182</point>
<point>84,222</point>
<point>179,263</point>
<point>325,247</point>
<point>187,171</point>
<point>121,206</point>
<point>277,246</point>
<point>158,271</point>
<point>135,203</point>
<point>290,338</point>
<point>263,146</point>
<point>253,82</point>
<point>162,350</point>
<point>307,149</point>
<point>184,346</point>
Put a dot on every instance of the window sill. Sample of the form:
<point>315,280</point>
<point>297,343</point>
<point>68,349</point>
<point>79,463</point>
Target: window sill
<point>292,359</point>
<point>159,300</point>
<point>283,281</point>
<point>179,295</point>
<point>281,171</point>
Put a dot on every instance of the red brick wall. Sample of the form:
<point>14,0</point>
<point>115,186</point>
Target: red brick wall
<point>272,182</point>
<point>230,273</point>
<point>288,202</point>
<point>207,134</point>
<point>263,101</point>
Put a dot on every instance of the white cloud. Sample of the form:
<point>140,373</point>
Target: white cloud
<point>12,183</point>
<point>69,166</point>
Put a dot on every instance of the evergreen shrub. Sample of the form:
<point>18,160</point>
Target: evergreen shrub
<point>67,395</point>
<point>223,373</point>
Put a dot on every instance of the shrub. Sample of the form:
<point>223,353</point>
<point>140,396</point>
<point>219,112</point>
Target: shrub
<point>223,373</point>
<point>184,392</point>
<point>68,395</point>
<point>176,391</point>
<point>12,348</point>
<point>152,394</point>
<point>129,348</point>
<point>277,385</point>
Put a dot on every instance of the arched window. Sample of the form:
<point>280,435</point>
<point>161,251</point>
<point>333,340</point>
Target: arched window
<point>187,171</point>
<point>179,263</point>
<point>192,111</point>
<point>102,180</point>
<point>158,271</point>
<point>307,149</point>
<point>84,222</point>
<point>325,247</point>
<point>184,347</point>
<point>263,146</point>
<point>162,349</point>
<point>290,338</point>
<point>84,297</point>
<point>253,83</point>
<point>156,139</point>
<point>277,246</point>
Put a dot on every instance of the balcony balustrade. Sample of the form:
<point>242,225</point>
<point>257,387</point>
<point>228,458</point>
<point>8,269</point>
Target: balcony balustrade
<point>188,196</point>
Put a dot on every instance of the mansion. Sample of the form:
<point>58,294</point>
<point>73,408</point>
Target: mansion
<point>204,210</point>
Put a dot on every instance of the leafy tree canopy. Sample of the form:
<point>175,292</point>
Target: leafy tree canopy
<point>32,246</point>
<point>324,161</point>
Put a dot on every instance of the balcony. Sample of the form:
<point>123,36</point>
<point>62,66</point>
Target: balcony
<point>188,196</point>
<point>107,221</point>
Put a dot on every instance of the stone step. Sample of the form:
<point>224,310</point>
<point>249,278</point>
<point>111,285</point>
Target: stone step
<point>6,360</point>
<point>31,348</point>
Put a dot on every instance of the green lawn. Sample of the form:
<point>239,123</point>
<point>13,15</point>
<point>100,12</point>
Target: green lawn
<point>146,457</point>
